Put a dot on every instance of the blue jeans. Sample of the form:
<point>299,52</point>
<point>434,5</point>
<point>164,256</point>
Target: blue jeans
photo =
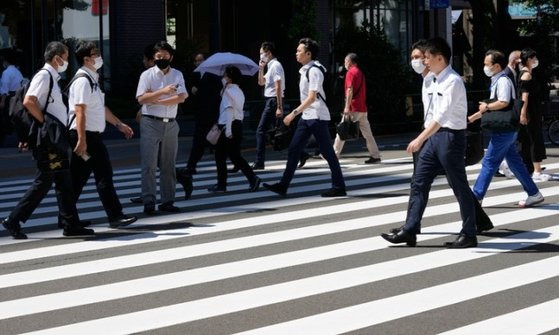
<point>444,150</point>
<point>266,120</point>
<point>318,128</point>
<point>503,145</point>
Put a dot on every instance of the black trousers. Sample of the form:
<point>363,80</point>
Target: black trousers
<point>100,165</point>
<point>68,214</point>
<point>231,148</point>
<point>199,143</point>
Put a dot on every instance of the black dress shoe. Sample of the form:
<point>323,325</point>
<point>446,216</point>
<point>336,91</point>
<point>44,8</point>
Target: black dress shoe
<point>401,237</point>
<point>372,160</point>
<point>136,200</point>
<point>14,229</point>
<point>149,208</point>
<point>186,181</point>
<point>396,230</point>
<point>257,166</point>
<point>276,188</point>
<point>169,207</point>
<point>217,189</point>
<point>303,159</point>
<point>254,185</point>
<point>462,241</point>
<point>121,221</point>
<point>83,223</point>
<point>334,192</point>
<point>77,231</point>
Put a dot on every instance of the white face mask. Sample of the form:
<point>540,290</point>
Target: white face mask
<point>417,65</point>
<point>63,67</point>
<point>535,64</point>
<point>487,71</point>
<point>224,81</point>
<point>263,57</point>
<point>98,62</point>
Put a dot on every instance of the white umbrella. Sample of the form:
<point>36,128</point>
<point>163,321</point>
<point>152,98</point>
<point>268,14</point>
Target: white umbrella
<point>217,63</point>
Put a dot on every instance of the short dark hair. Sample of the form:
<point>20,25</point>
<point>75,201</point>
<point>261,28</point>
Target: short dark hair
<point>148,51</point>
<point>54,49</point>
<point>83,49</point>
<point>310,46</point>
<point>163,45</point>
<point>526,54</point>
<point>420,45</point>
<point>269,47</point>
<point>233,73</point>
<point>439,46</point>
<point>497,57</point>
<point>353,57</point>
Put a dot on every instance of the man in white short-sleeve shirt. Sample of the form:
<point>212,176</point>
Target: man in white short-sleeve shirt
<point>88,116</point>
<point>160,90</point>
<point>36,98</point>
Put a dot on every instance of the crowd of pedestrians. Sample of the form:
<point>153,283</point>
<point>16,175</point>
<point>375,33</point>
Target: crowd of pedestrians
<point>218,100</point>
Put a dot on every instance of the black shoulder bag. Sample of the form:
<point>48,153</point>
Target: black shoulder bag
<point>504,120</point>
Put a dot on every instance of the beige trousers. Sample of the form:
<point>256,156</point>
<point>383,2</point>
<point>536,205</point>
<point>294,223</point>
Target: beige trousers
<point>365,128</point>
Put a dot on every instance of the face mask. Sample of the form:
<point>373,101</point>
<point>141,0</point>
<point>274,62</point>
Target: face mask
<point>417,65</point>
<point>223,82</point>
<point>98,63</point>
<point>487,71</point>
<point>535,64</point>
<point>63,67</point>
<point>263,58</point>
<point>162,63</point>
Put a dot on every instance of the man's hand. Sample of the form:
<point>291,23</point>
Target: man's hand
<point>279,113</point>
<point>289,118</point>
<point>169,89</point>
<point>524,119</point>
<point>414,145</point>
<point>125,129</point>
<point>81,147</point>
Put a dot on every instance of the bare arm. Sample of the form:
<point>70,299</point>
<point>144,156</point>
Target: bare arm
<point>279,99</point>
<point>153,97</point>
<point>348,97</point>
<point>174,100</point>
<point>31,103</point>
<point>81,146</point>
<point>484,107</point>
<point>306,103</point>
<point>121,126</point>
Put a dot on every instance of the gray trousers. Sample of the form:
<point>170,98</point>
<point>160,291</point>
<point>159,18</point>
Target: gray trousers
<point>158,140</point>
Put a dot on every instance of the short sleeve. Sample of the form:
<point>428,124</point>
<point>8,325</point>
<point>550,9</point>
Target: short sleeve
<point>315,79</point>
<point>39,87</point>
<point>80,92</point>
<point>143,84</point>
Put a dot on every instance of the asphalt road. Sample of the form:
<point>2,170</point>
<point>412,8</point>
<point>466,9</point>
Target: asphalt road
<point>254,263</point>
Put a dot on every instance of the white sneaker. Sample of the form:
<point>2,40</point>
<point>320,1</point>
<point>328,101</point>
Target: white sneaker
<point>504,169</point>
<point>538,176</point>
<point>531,200</point>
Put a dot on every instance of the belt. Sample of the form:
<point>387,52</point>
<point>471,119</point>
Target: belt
<point>163,119</point>
<point>445,129</point>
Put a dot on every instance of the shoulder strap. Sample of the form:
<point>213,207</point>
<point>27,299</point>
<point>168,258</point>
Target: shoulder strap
<point>80,75</point>
<point>307,75</point>
<point>51,84</point>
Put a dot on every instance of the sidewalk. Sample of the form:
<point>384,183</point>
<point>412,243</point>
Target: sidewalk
<point>126,153</point>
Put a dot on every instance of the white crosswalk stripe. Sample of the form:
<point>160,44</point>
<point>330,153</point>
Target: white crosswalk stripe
<point>253,263</point>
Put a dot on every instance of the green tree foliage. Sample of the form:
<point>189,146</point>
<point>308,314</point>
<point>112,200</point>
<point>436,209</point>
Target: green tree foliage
<point>388,78</point>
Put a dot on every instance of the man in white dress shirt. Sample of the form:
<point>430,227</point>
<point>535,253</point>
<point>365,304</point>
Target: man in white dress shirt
<point>160,89</point>
<point>441,145</point>
<point>88,117</point>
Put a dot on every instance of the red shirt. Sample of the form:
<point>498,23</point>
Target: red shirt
<point>355,78</point>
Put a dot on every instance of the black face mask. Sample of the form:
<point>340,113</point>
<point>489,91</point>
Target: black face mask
<point>162,63</point>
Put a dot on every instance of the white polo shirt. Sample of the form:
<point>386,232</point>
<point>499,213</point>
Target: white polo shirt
<point>94,101</point>
<point>11,80</point>
<point>39,88</point>
<point>273,74</point>
<point>450,105</point>
<point>318,109</point>
<point>154,79</point>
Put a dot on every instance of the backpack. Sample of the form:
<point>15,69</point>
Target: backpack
<point>324,83</point>
<point>22,119</point>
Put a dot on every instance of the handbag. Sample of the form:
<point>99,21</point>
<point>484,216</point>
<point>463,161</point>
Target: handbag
<point>347,129</point>
<point>503,120</point>
<point>280,136</point>
<point>214,134</point>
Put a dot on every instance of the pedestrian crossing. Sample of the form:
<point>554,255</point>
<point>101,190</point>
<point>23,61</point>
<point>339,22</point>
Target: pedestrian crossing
<point>254,263</point>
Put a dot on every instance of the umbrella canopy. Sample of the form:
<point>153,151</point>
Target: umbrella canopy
<point>217,63</point>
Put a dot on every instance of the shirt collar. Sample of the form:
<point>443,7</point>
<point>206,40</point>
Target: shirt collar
<point>443,73</point>
<point>52,71</point>
<point>307,66</point>
<point>159,72</point>
<point>92,74</point>
<point>496,76</point>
